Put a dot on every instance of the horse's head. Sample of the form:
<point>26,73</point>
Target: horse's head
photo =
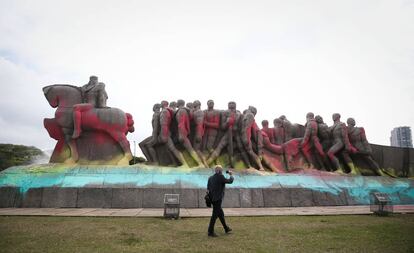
<point>51,96</point>
<point>130,123</point>
<point>62,95</point>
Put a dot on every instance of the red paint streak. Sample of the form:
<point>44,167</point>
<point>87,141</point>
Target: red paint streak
<point>211,121</point>
<point>166,116</point>
<point>53,128</point>
<point>269,133</point>
<point>183,122</point>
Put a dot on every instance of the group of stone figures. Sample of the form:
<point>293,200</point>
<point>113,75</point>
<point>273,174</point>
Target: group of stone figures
<point>185,135</point>
<point>87,130</point>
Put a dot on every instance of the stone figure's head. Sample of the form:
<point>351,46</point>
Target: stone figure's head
<point>278,122</point>
<point>210,104</point>
<point>164,104</point>
<point>190,105</point>
<point>282,117</point>
<point>173,105</point>
<point>156,107</point>
<point>319,119</point>
<point>180,103</point>
<point>350,122</point>
<point>265,124</point>
<point>253,110</point>
<point>232,105</point>
<point>336,116</point>
<point>310,116</point>
<point>93,79</point>
<point>197,104</point>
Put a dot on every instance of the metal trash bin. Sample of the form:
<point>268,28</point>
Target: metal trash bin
<point>172,206</point>
<point>380,204</point>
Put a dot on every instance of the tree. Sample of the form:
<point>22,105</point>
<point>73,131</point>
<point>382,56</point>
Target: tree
<point>13,155</point>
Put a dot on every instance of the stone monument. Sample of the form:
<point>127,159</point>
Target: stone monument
<point>86,129</point>
<point>287,165</point>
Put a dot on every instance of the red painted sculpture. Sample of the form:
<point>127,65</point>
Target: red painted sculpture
<point>269,139</point>
<point>311,147</point>
<point>148,145</point>
<point>234,139</point>
<point>90,132</point>
<point>359,140</point>
<point>182,117</point>
<point>270,133</point>
<point>87,131</point>
<point>287,126</point>
<point>250,129</point>
<point>166,127</point>
<point>230,125</point>
<point>341,145</point>
<point>199,130</point>
<point>211,125</point>
<point>324,136</point>
<point>278,132</point>
<point>173,105</point>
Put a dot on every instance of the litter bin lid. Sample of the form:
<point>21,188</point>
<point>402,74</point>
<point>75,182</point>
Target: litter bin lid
<point>382,197</point>
<point>171,198</point>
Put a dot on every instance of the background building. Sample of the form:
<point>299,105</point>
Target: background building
<point>401,137</point>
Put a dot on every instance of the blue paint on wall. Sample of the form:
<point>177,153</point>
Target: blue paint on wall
<point>54,175</point>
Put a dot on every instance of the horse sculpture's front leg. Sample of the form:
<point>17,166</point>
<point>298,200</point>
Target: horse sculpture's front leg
<point>74,155</point>
<point>124,143</point>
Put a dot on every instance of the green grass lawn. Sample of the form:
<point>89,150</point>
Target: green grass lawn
<point>358,233</point>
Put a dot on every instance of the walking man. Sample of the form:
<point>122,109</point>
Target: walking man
<point>216,185</point>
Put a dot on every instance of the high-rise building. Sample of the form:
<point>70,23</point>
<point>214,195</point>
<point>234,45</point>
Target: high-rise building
<point>401,137</point>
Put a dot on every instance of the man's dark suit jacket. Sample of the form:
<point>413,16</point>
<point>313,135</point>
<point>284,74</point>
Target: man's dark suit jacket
<point>216,185</point>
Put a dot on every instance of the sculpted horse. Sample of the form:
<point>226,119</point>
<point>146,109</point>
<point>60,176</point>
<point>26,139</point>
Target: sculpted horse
<point>111,121</point>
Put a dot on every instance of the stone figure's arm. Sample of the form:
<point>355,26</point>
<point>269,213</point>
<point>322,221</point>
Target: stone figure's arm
<point>156,128</point>
<point>214,124</point>
<point>228,122</point>
<point>199,117</point>
<point>224,121</point>
<point>260,142</point>
<point>183,120</point>
<point>199,125</point>
<point>245,127</point>
<point>256,131</point>
<point>180,117</point>
<point>190,114</point>
<point>345,139</point>
<point>164,127</point>
<point>287,126</point>
<point>365,142</point>
<point>308,131</point>
<point>164,134</point>
<point>273,139</point>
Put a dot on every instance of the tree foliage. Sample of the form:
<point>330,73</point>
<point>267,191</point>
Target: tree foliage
<point>136,160</point>
<point>12,155</point>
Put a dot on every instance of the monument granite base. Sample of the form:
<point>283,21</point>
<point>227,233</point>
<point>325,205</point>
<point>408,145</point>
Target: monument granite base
<point>142,186</point>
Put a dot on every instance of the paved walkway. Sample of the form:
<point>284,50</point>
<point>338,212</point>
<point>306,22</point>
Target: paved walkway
<point>196,212</point>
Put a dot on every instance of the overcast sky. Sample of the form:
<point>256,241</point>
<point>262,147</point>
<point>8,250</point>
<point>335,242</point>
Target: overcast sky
<point>284,57</point>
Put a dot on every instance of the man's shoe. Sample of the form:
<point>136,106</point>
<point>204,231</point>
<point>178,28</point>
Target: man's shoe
<point>228,230</point>
<point>212,234</point>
